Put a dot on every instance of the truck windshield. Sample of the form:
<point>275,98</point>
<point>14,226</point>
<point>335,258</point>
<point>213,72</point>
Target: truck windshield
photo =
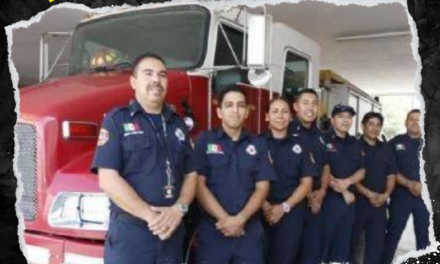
<point>177,34</point>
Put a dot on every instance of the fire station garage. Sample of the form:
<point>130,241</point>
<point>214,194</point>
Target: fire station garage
<point>356,55</point>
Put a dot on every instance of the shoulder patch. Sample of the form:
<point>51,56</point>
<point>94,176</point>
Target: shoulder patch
<point>103,137</point>
<point>179,134</point>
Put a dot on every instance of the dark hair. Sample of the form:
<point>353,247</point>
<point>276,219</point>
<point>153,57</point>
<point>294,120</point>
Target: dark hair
<point>305,91</point>
<point>279,98</point>
<point>144,56</point>
<point>232,88</point>
<point>413,111</point>
<point>371,115</point>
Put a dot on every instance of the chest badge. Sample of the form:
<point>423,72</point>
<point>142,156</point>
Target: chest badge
<point>297,149</point>
<point>400,147</point>
<point>251,150</point>
<point>179,134</point>
<point>214,149</point>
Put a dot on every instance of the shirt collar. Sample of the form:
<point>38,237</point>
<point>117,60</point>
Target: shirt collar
<point>378,143</point>
<point>269,135</point>
<point>136,108</point>
<point>333,135</point>
<point>415,140</point>
<point>297,126</point>
<point>220,133</point>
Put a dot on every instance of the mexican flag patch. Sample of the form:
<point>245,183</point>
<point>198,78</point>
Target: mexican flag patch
<point>214,149</point>
<point>400,147</point>
<point>131,127</point>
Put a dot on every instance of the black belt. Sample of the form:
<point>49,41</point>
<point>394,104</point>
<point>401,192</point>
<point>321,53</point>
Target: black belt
<point>127,217</point>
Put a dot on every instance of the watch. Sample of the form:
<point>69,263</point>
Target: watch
<point>286,207</point>
<point>182,207</point>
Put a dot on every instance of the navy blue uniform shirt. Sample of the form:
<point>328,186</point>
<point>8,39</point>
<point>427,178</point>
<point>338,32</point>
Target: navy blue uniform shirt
<point>232,168</point>
<point>138,150</point>
<point>314,141</point>
<point>379,164</point>
<point>344,155</point>
<point>406,151</point>
<point>292,160</point>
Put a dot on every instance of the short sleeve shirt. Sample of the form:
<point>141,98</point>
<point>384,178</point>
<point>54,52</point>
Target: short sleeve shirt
<point>315,142</point>
<point>344,155</point>
<point>292,161</point>
<point>138,150</point>
<point>232,168</point>
<point>379,164</point>
<point>406,153</point>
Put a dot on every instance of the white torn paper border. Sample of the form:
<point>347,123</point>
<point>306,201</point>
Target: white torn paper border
<point>224,3</point>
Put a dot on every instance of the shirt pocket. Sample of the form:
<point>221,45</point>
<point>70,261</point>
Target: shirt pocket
<point>249,168</point>
<point>291,167</point>
<point>217,165</point>
<point>138,154</point>
<point>179,150</point>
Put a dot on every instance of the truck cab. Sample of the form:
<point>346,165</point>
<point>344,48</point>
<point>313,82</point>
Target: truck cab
<point>205,50</point>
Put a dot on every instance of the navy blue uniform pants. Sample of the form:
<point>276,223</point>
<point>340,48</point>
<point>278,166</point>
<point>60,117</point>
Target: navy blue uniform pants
<point>130,241</point>
<point>214,248</point>
<point>337,228</point>
<point>373,222</point>
<point>310,248</point>
<point>403,204</point>
<point>283,238</point>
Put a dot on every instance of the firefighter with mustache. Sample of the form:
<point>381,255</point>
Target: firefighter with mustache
<point>145,165</point>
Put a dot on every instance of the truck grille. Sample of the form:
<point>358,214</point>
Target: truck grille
<point>27,166</point>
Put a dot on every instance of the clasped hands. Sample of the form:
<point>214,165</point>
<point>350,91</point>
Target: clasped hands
<point>377,199</point>
<point>272,212</point>
<point>341,186</point>
<point>415,188</point>
<point>231,226</point>
<point>163,221</point>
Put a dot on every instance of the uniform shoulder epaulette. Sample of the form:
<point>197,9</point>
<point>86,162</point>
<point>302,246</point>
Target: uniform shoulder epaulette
<point>397,138</point>
<point>115,113</point>
<point>116,110</point>
<point>255,139</point>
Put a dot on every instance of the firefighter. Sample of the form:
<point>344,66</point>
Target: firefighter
<point>233,182</point>
<point>294,165</point>
<point>406,198</point>
<point>306,104</point>
<point>342,170</point>
<point>374,191</point>
<point>145,165</point>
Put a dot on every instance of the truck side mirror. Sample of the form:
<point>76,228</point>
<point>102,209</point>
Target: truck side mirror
<point>256,51</point>
<point>256,43</point>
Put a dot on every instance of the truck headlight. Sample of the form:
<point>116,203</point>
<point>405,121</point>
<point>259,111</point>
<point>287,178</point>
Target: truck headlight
<point>77,210</point>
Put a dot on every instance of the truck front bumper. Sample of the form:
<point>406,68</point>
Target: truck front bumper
<point>43,249</point>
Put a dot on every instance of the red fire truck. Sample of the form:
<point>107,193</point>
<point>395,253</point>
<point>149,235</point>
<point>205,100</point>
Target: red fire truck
<point>206,49</point>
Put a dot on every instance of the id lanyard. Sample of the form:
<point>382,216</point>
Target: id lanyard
<point>169,187</point>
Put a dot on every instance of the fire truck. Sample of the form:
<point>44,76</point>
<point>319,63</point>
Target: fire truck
<point>206,49</point>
